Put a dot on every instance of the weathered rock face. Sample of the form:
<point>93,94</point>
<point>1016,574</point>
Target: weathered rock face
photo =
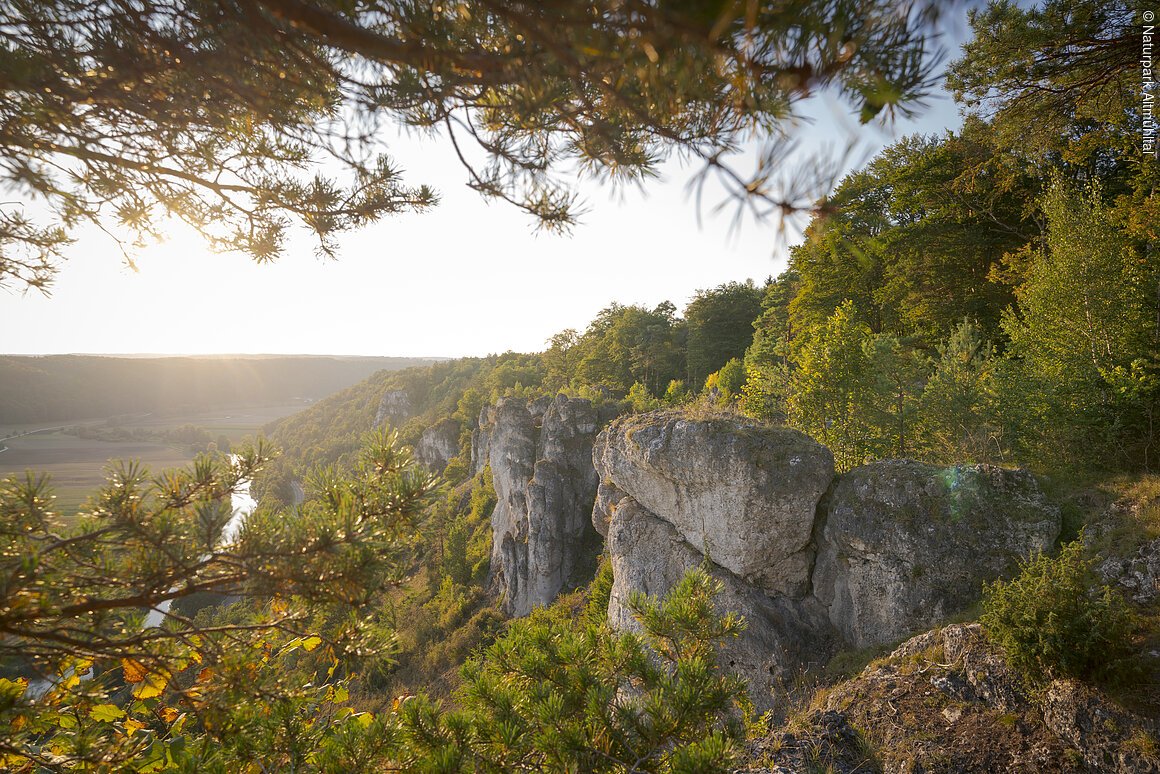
<point>394,408</point>
<point>741,494</point>
<point>813,564</point>
<point>904,544</point>
<point>675,490</point>
<point>946,701</point>
<point>649,555</point>
<point>481,440</point>
<point>540,456</point>
<point>438,444</point>
<point>1138,576</point>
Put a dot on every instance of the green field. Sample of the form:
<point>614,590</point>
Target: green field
<point>78,466</point>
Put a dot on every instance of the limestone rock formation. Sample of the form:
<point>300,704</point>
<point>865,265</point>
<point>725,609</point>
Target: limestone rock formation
<point>904,545</point>
<point>650,556</point>
<point>813,562</point>
<point>541,461</point>
<point>438,444</point>
<point>742,494</point>
<point>1138,576</point>
<point>676,490</point>
<point>481,439</point>
<point>394,408</point>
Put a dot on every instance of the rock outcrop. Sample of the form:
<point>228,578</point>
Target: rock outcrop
<point>812,561</point>
<point>946,701</point>
<point>649,555</point>
<point>741,494</point>
<point>904,545</point>
<point>394,408</point>
<point>481,440</point>
<point>438,444</point>
<point>1138,576</point>
<point>541,461</point>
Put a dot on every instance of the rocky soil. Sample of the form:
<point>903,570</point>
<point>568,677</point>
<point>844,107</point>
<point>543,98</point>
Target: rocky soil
<point>944,701</point>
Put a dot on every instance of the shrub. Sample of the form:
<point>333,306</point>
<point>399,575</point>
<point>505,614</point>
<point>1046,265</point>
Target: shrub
<point>558,693</point>
<point>1053,620</point>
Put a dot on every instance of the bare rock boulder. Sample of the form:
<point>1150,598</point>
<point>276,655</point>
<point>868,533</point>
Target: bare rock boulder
<point>742,494</point>
<point>905,545</point>
<point>648,555</point>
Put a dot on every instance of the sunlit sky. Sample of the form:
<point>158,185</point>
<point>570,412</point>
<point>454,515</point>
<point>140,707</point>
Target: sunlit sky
<point>468,278</point>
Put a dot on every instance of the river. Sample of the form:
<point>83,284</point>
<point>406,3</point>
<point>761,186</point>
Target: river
<point>243,505</point>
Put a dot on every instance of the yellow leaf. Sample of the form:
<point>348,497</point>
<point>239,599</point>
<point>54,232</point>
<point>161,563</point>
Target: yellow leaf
<point>310,643</point>
<point>204,675</point>
<point>151,685</point>
<point>106,713</point>
<point>168,714</point>
<point>364,719</point>
<point>132,726</point>
<point>135,671</point>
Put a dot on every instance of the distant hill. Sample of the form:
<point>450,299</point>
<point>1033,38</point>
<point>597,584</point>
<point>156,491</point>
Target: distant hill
<point>65,387</point>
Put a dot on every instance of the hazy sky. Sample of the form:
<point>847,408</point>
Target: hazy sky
<point>468,278</point>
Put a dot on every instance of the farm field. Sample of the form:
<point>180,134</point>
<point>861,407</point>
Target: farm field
<point>78,466</point>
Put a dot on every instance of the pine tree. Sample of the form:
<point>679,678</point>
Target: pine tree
<point>560,692</point>
<point>215,112</point>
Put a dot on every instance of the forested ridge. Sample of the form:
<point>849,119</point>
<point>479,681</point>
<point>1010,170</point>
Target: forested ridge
<point>988,295</point>
<point>69,387</point>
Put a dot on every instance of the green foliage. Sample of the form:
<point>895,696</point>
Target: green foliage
<point>675,394</point>
<point>599,593</point>
<point>897,373</point>
<point>456,566</point>
<point>731,377</point>
<point>831,387</point>
<point>1053,620</point>
<point>183,691</point>
<point>628,344</point>
<point>1084,334</point>
<point>442,612</point>
<point>918,237</point>
<point>958,410</point>
<point>720,327</point>
<point>640,399</point>
<point>764,394</point>
<point>1078,107</point>
<point>559,694</point>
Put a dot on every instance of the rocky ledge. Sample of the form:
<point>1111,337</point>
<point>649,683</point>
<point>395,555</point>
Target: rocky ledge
<point>815,562</point>
<point>944,701</point>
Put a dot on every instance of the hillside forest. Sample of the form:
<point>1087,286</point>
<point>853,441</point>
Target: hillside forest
<point>986,295</point>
